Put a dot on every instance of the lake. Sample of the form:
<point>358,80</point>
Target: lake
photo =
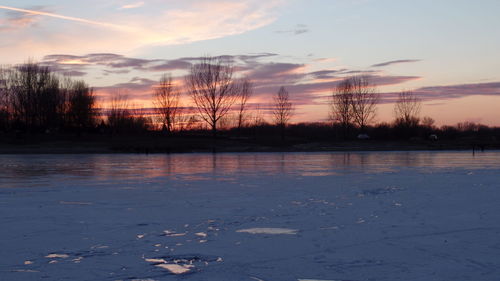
<point>251,216</point>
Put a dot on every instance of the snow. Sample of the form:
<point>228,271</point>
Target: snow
<point>354,216</point>
<point>175,268</point>
<point>53,256</point>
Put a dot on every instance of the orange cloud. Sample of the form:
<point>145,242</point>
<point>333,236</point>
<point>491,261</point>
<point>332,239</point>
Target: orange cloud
<point>126,32</point>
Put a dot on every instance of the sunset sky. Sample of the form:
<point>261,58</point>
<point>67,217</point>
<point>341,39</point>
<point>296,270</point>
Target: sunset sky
<point>447,51</point>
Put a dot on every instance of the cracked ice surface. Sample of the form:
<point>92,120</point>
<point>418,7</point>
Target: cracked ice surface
<point>258,216</point>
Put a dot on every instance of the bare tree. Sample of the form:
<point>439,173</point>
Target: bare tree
<point>428,122</point>
<point>4,99</point>
<point>166,101</point>
<point>257,117</point>
<point>364,100</point>
<point>35,96</point>
<point>341,105</point>
<point>81,105</point>
<point>212,88</point>
<point>246,92</point>
<point>407,109</point>
<point>283,109</point>
<point>118,114</point>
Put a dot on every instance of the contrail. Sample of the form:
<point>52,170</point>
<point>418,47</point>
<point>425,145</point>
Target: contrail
<point>33,12</point>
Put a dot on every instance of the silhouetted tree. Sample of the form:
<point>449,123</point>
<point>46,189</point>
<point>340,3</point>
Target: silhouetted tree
<point>35,97</point>
<point>283,110</point>
<point>212,88</point>
<point>428,122</point>
<point>166,101</point>
<point>81,105</point>
<point>246,92</point>
<point>118,114</point>
<point>122,119</point>
<point>364,100</point>
<point>341,111</point>
<point>407,110</point>
<point>4,100</point>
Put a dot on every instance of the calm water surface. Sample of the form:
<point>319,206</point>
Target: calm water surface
<point>27,170</point>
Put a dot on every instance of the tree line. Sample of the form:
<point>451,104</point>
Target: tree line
<point>35,99</point>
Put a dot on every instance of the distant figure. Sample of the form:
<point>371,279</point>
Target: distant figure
<point>433,137</point>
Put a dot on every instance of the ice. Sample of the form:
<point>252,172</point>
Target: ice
<point>175,268</point>
<point>170,233</point>
<point>269,230</point>
<point>251,216</point>
<point>156,260</point>
<point>53,256</point>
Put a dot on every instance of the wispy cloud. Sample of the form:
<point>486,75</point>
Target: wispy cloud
<point>297,30</point>
<point>459,91</point>
<point>132,6</point>
<point>16,20</point>
<point>306,88</point>
<point>387,63</point>
<point>127,30</point>
<point>75,19</point>
<point>440,93</point>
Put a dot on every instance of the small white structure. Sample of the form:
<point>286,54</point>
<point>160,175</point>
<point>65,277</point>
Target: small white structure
<point>363,137</point>
<point>433,137</point>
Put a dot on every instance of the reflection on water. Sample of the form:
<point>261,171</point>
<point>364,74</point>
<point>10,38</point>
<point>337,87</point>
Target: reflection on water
<point>37,168</point>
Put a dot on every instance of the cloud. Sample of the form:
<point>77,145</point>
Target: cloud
<point>272,71</point>
<point>387,63</point>
<point>127,30</point>
<point>440,93</point>
<point>16,20</point>
<point>115,61</point>
<point>459,91</point>
<point>306,88</point>
<point>132,6</point>
<point>73,73</point>
<point>137,88</point>
<point>297,30</point>
<point>119,64</point>
<point>332,74</point>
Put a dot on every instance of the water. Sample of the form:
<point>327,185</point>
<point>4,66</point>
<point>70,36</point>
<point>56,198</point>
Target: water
<point>30,170</point>
<point>251,216</point>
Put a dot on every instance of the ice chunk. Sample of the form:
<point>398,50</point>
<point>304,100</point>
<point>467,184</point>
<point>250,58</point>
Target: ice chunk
<point>156,260</point>
<point>201,234</point>
<point>170,233</point>
<point>268,230</point>
<point>55,256</point>
<point>175,268</point>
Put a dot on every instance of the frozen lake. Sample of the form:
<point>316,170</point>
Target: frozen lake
<point>256,216</point>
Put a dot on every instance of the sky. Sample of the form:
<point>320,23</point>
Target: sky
<point>445,51</point>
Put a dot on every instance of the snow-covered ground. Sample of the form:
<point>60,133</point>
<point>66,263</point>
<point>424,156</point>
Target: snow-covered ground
<point>260,216</point>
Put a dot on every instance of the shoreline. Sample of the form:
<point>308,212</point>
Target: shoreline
<point>181,146</point>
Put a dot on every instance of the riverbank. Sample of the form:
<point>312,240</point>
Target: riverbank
<point>197,144</point>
